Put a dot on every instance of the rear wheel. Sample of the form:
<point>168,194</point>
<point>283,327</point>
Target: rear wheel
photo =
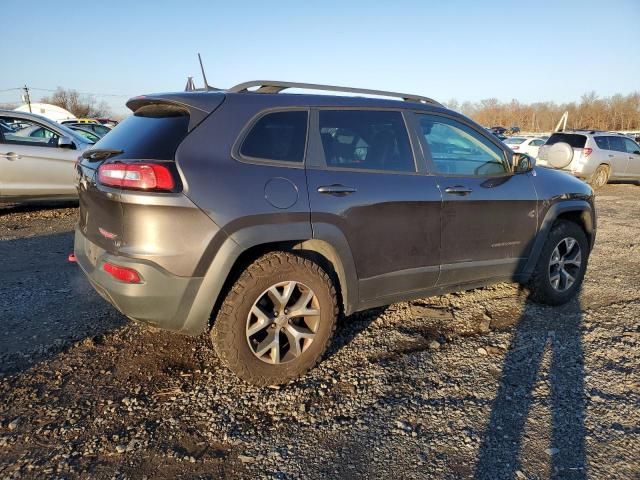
<point>561,266</point>
<point>600,177</point>
<point>277,319</point>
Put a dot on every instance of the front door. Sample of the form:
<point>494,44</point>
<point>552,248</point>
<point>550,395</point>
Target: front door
<point>632,171</point>
<point>488,213</point>
<point>31,163</point>
<point>364,182</point>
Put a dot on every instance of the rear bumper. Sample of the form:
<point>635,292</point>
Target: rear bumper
<point>161,299</point>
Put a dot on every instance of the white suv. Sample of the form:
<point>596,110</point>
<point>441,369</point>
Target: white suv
<point>594,156</point>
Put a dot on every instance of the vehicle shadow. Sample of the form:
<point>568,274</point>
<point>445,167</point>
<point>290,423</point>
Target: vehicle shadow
<point>540,329</point>
<point>35,206</point>
<point>46,304</point>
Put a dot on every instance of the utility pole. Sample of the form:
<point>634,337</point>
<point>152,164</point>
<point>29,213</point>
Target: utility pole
<point>26,97</point>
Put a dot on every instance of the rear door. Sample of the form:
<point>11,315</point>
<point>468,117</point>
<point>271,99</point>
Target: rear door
<point>632,171</point>
<point>577,142</point>
<point>31,163</point>
<point>364,182</point>
<point>488,213</point>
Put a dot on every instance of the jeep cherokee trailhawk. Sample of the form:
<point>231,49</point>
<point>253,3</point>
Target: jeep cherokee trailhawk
<point>261,216</point>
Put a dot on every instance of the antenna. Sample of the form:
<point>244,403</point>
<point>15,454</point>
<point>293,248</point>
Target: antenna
<point>206,84</point>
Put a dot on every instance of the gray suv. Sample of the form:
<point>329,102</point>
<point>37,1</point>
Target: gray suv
<point>260,216</point>
<point>593,155</point>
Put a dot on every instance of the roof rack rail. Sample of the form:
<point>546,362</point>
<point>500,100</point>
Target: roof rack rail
<point>275,86</point>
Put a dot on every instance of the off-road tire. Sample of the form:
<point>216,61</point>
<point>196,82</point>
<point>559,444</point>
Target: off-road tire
<point>228,334</point>
<point>600,177</point>
<point>540,288</point>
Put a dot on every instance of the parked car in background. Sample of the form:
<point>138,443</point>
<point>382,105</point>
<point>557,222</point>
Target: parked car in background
<point>592,155</point>
<point>514,130</point>
<point>80,120</point>
<point>88,134</point>
<point>498,130</point>
<point>97,128</point>
<point>261,217</point>
<point>37,157</point>
<point>528,145</point>
<point>109,122</point>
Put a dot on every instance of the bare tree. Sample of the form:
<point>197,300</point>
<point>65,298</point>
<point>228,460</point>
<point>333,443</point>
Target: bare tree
<point>81,106</point>
<point>619,112</point>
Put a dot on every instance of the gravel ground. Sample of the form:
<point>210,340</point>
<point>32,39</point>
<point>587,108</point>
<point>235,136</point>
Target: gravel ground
<point>477,384</point>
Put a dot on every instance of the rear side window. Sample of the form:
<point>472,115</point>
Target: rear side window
<point>573,139</point>
<point>365,139</point>
<point>602,142</point>
<point>279,136</point>
<point>152,132</point>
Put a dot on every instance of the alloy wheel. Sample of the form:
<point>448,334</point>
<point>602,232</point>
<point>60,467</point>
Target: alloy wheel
<point>283,322</point>
<point>565,264</point>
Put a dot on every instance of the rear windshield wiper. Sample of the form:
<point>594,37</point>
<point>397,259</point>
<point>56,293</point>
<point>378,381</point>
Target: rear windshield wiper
<point>100,153</point>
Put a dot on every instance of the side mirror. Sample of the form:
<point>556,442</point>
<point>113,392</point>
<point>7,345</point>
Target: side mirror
<point>66,142</point>
<point>523,163</point>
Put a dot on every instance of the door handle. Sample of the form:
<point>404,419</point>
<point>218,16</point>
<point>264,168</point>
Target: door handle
<point>339,190</point>
<point>10,155</point>
<point>458,190</point>
<point>611,156</point>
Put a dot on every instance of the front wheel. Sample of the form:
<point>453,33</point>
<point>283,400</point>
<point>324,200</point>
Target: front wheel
<point>561,266</point>
<point>277,319</point>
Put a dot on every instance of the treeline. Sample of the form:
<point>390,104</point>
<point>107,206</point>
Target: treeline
<point>618,112</point>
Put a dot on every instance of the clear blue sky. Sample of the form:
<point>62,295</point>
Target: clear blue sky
<point>468,50</point>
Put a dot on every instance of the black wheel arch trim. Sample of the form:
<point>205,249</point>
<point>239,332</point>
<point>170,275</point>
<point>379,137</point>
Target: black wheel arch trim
<point>553,213</point>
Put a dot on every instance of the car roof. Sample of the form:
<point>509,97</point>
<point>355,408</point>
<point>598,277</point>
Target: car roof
<point>208,101</point>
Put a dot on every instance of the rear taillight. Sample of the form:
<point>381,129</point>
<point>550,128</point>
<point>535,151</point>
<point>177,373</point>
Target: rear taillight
<point>122,274</point>
<point>142,176</point>
<point>515,148</point>
<point>587,151</point>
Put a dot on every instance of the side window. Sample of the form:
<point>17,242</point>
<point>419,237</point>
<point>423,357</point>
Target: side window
<point>279,136</point>
<point>18,131</point>
<point>632,146</point>
<point>602,142</point>
<point>537,142</point>
<point>366,139</point>
<point>616,143</point>
<point>459,150</point>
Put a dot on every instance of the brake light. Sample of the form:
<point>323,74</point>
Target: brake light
<point>122,274</point>
<point>143,176</point>
<point>587,151</point>
<point>515,148</point>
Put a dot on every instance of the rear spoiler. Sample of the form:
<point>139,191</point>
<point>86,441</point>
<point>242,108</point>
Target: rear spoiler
<point>199,106</point>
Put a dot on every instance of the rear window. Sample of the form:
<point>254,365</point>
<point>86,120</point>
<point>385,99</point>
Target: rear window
<point>152,132</point>
<point>573,139</point>
<point>279,136</point>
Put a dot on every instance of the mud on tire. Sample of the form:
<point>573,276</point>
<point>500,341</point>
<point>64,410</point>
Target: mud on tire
<point>557,263</point>
<point>252,318</point>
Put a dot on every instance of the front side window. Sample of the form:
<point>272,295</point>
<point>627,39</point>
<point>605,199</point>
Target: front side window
<point>457,149</point>
<point>632,147</point>
<point>616,143</point>
<point>19,131</point>
<point>279,136</point>
<point>366,140</point>
<point>537,142</point>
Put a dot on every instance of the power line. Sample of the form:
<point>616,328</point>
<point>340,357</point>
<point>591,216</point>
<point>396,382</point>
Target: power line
<point>81,93</point>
